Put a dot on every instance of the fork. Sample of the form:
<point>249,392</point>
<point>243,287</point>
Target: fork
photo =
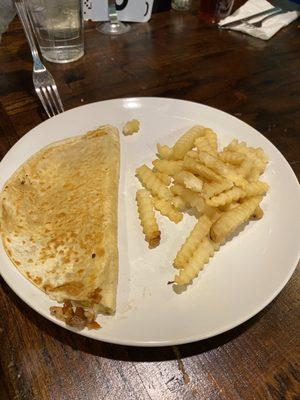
<point>43,81</point>
<point>259,23</point>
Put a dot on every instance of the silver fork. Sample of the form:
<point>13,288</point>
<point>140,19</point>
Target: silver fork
<point>43,81</point>
<point>259,23</point>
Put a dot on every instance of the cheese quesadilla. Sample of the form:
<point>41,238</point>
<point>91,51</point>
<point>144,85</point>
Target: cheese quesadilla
<point>59,219</point>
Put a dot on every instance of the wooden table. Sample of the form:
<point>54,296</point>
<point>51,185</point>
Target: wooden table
<point>175,55</point>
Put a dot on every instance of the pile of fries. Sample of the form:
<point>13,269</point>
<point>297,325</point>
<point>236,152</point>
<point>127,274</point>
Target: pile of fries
<point>222,187</point>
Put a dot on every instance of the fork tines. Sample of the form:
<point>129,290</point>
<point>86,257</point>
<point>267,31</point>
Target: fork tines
<point>43,81</point>
<point>50,99</point>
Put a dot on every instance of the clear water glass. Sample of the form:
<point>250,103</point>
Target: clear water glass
<point>58,25</point>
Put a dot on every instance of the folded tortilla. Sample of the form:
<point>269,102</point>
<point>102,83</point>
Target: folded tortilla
<point>59,219</point>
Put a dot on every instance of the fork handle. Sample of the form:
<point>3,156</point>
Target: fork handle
<point>271,15</point>
<point>28,31</point>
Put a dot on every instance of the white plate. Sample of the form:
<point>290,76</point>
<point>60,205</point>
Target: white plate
<point>242,278</point>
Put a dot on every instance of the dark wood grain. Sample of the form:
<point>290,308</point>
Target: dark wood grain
<point>174,55</point>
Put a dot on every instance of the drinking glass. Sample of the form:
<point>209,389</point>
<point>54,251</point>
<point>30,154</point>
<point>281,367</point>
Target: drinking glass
<point>58,26</point>
<point>215,10</point>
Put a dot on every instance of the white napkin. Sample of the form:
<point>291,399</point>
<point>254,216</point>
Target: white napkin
<point>270,26</point>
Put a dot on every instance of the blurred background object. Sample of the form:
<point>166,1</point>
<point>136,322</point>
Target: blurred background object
<point>181,5</point>
<point>215,10</point>
<point>161,5</point>
<point>288,5</point>
<point>7,13</point>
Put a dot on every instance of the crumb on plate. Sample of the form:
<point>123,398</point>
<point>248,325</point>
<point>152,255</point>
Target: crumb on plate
<point>132,126</point>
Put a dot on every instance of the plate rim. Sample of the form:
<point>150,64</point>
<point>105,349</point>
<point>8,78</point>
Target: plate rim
<point>155,343</point>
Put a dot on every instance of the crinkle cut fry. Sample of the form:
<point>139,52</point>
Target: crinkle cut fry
<point>221,168</point>
<point>226,197</point>
<point>179,203</point>
<point>201,170</point>
<point>200,230</point>
<point>200,257</point>
<point>166,179</point>
<point>230,220</point>
<point>164,151</point>
<point>214,188</point>
<point>252,189</point>
<point>232,157</point>
<point>189,180</point>
<point>186,141</point>
<point>151,182</point>
<point>212,138</point>
<point>147,217</point>
<point>169,167</point>
<point>203,144</point>
<point>168,210</point>
<point>192,198</point>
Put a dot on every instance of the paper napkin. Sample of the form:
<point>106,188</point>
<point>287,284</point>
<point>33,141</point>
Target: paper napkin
<point>269,27</point>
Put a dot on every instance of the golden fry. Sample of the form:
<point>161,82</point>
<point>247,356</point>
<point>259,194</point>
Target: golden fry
<point>256,189</point>
<point>192,154</point>
<point>189,180</point>
<point>255,154</point>
<point>179,203</point>
<point>200,230</point>
<point>169,167</point>
<point>213,213</point>
<point>232,219</point>
<point>221,168</point>
<point>164,152</point>
<point>201,170</point>
<point>151,182</point>
<point>166,179</point>
<point>213,162</point>
<point>214,188</point>
<point>200,257</point>
<point>229,196</point>
<point>212,138</point>
<point>254,175</point>
<point>234,158</point>
<point>253,189</point>
<point>258,213</point>
<point>245,167</point>
<point>147,217</point>
<point>229,206</point>
<point>203,144</point>
<point>192,198</point>
<point>168,210</point>
<point>186,141</point>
